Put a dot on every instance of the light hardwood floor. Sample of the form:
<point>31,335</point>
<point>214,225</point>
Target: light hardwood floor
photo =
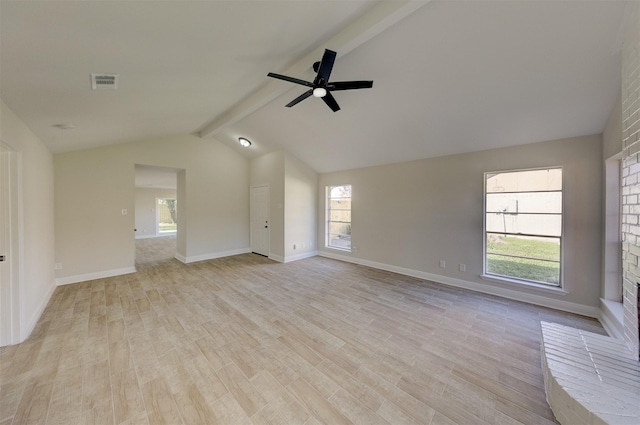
<point>244,340</point>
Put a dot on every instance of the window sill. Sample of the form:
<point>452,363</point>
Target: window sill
<point>339,249</point>
<point>522,284</point>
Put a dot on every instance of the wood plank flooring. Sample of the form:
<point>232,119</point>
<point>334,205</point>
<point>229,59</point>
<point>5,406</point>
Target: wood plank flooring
<point>244,340</point>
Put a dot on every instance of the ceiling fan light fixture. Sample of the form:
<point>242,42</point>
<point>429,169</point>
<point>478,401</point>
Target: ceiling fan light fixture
<point>319,92</point>
<point>244,142</point>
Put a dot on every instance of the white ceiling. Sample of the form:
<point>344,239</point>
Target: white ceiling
<point>450,77</point>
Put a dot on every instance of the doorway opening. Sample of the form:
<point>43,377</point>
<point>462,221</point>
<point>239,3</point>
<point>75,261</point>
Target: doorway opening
<point>156,214</point>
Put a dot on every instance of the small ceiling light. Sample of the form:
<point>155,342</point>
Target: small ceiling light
<point>244,142</point>
<point>64,126</point>
<point>319,92</point>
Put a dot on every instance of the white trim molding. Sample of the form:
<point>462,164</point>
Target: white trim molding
<point>511,294</point>
<point>211,255</point>
<point>31,324</point>
<point>92,276</point>
<point>301,256</point>
<point>278,258</point>
<point>612,318</point>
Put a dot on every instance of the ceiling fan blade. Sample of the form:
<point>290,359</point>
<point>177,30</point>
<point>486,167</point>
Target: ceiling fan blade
<point>289,79</point>
<point>349,85</point>
<point>299,99</point>
<point>331,102</point>
<point>326,65</point>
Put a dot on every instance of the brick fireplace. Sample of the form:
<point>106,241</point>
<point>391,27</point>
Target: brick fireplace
<point>631,180</point>
<point>593,378</point>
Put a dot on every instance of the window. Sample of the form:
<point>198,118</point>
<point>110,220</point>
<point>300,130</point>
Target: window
<point>339,217</point>
<point>523,225</point>
<point>612,260</point>
<point>166,219</point>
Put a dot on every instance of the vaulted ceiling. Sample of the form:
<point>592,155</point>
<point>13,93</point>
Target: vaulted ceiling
<point>449,76</point>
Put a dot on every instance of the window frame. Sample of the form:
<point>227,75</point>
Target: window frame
<point>327,219</point>
<point>516,280</point>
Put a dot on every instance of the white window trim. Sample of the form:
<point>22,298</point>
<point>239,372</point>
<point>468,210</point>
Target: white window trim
<point>511,280</point>
<point>526,283</point>
<point>326,217</point>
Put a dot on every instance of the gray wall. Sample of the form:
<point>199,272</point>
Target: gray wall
<point>94,239</point>
<point>269,170</point>
<point>612,134</point>
<point>301,206</point>
<point>408,216</point>
<point>37,228</point>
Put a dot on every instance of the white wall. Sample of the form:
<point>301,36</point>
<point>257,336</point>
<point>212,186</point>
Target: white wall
<point>408,216</point>
<point>145,206</point>
<point>301,206</point>
<point>37,282</point>
<point>292,204</point>
<point>92,187</point>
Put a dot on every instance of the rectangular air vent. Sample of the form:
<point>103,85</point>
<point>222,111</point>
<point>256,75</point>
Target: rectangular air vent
<point>104,81</point>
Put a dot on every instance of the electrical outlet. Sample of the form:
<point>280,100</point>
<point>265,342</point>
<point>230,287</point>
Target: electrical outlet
<point>443,264</point>
<point>57,266</point>
<point>462,268</point>
<point>124,211</point>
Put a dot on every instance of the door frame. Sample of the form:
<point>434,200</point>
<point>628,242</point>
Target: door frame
<point>251,188</point>
<point>11,201</point>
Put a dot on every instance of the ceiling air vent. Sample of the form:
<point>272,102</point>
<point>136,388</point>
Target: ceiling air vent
<point>104,81</point>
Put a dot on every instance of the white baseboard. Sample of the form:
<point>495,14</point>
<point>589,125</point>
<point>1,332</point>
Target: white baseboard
<point>301,256</point>
<point>570,307</point>
<point>92,276</point>
<point>612,317</point>
<point>26,330</point>
<point>211,256</point>
<point>278,258</point>
<point>290,258</point>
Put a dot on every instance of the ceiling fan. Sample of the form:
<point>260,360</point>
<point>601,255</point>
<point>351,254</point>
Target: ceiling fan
<point>321,87</point>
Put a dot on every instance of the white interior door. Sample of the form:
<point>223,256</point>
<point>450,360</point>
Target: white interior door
<point>8,236</point>
<point>260,220</point>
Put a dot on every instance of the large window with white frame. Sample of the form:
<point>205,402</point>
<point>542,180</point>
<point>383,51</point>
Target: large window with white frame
<point>338,217</point>
<point>523,225</point>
